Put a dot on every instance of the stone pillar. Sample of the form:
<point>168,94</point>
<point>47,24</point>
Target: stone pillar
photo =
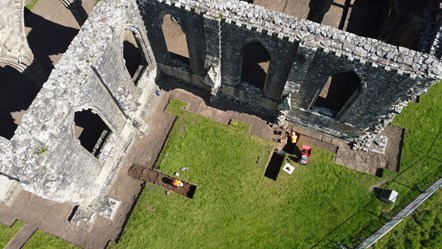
<point>318,9</point>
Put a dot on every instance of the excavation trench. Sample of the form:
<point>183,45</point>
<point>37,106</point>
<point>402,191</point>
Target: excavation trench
<point>152,176</point>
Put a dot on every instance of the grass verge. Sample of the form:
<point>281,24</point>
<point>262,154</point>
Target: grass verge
<point>43,240</point>
<point>423,229</point>
<point>7,233</point>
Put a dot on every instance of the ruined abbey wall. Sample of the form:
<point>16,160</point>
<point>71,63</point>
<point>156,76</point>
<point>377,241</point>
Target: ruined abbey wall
<point>303,55</point>
<point>45,158</point>
<point>43,155</point>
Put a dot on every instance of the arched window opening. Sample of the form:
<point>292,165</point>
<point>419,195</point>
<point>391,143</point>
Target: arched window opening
<point>133,55</point>
<point>255,64</point>
<point>339,90</point>
<point>175,38</point>
<point>16,95</point>
<point>91,130</point>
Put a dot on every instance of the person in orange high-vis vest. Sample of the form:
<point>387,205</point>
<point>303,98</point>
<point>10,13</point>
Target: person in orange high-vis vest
<point>294,137</point>
<point>177,183</point>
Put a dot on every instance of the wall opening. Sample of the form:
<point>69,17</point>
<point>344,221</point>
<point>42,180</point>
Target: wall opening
<point>339,90</point>
<point>175,38</point>
<point>91,130</point>
<point>133,55</point>
<point>255,64</point>
<point>72,214</point>
<point>16,95</point>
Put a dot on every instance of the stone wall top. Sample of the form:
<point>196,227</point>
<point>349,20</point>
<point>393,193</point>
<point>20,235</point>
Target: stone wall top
<point>313,35</point>
<point>48,121</point>
<point>14,47</point>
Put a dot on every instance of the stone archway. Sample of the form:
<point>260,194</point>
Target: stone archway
<point>338,92</point>
<point>255,64</point>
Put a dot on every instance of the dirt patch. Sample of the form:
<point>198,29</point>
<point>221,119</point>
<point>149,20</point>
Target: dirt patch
<point>313,142</point>
<point>152,176</point>
<point>367,162</point>
<point>395,142</point>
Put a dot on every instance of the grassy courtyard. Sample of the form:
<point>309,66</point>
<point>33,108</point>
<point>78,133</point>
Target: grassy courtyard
<point>235,206</point>
<point>39,239</point>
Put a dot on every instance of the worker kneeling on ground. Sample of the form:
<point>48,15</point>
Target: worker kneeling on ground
<point>177,183</point>
<point>294,137</point>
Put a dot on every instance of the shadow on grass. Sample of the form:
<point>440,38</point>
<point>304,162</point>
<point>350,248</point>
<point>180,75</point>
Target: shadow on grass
<point>379,172</point>
<point>377,192</point>
<point>223,104</point>
<point>191,192</point>
<point>274,165</point>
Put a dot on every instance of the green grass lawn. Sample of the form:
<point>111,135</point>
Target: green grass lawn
<point>420,166</point>
<point>43,240</point>
<point>7,233</point>
<point>235,206</point>
<point>423,229</point>
<point>422,152</point>
<point>421,163</point>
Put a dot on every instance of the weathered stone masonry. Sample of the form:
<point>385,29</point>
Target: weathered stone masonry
<point>43,155</point>
<point>14,50</point>
<point>303,55</point>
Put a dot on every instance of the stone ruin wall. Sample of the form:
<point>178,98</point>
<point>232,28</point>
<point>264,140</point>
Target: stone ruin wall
<point>14,49</point>
<point>303,55</point>
<point>43,155</point>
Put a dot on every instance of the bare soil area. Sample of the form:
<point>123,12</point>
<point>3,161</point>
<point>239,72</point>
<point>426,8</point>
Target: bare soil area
<point>155,177</point>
